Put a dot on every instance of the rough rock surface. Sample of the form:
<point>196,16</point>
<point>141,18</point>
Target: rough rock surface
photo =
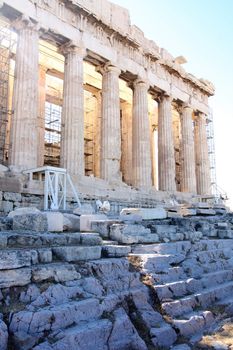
<point>75,291</point>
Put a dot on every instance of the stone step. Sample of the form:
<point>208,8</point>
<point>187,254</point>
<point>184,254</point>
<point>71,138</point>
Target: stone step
<point>36,240</point>
<point>227,304</point>
<point>90,239</point>
<point>52,272</point>
<point>156,262</point>
<point>117,333</point>
<point>132,233</point>
<point>172,274</point>
<point>205,257</point>
<point>181,288</point>
<point>115,274</point>
<point>193,324</point>
<point>218,265</point>
<point>103,227</point>
<point>196,270</point>
<point>177,289</point>
<point>39,240</point>
<point>53,318</point>
<point>115,251</point>
<point>89,336</point>
<point>163,336</point>
<point>205,298</point>
<point>12,258</point>
<point>55,272</point>
<point>77,253</point>
<point>217,277</point>
<point>211,245</point>
<point>184,247</point>
<point>163,248</point>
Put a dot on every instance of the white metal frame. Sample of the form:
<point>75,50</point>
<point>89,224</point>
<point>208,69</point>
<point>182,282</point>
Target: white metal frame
<point>55,186</point>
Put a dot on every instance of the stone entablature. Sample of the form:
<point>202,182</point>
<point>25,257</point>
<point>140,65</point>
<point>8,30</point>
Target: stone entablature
<point>118,42</point>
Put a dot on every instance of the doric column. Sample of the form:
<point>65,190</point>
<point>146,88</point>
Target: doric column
<point>141,146</point>
<point>126,148</point>
<point>188,178</point>
<point>41,116</point>
<point>202,156</point>
<point>23,139</point>
<point>166,156</point>
<point>72,131</point>
<point>153,118</point>
<point>110,124</point>
<point>97,134</point>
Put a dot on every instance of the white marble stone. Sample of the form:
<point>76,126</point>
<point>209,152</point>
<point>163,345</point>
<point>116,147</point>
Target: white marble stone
<point>166,156</point>
<point>188,178</point>
<point>110,124</point>
<point>141,154</point>
<point>72,133</point>
<point>202,157</point>
<point>23,138</point>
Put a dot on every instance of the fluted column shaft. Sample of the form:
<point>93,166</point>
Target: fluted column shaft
<point>72,132</point>
<point>188,179</point>
<point>166,156</point>
<point>141,146</point>
<point>126,130</point>
<point>23,138</point>
<point>153,122</point>
<point>110,125</point>
<point>97,135</point>
<point>41,116</point>
<point>202,156</point>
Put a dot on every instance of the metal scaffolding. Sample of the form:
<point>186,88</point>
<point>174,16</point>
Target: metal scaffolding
<point>211,151</point>
<point>52,134</point>
<point>219,194</point>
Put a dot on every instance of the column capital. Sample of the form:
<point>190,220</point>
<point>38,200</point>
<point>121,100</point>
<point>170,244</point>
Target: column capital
<point>25,22</point>
<point>165,97</point>
<point>73,47</point>
<point>108,67</point>
<point>185,107</point>
<point>201,115</point>
<point>141,82</point>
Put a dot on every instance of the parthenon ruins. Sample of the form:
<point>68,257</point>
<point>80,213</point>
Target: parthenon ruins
<point>112,233</point>
<point>87,91</point>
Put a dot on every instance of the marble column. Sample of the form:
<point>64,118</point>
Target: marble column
<point>166,155</point>
<point>41,116</point>
<point>4,79</point>
<point>72,130</point>
<point>97,134</point>
<point>126,136</point>
<point>110,125</point>
<point>188,178</point>
<point>202,156</point>
<point>141,145</point>
<point>23,138</point>
<point>153,118</point>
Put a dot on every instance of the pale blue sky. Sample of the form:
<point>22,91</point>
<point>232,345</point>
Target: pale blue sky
<point>202,31</point>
